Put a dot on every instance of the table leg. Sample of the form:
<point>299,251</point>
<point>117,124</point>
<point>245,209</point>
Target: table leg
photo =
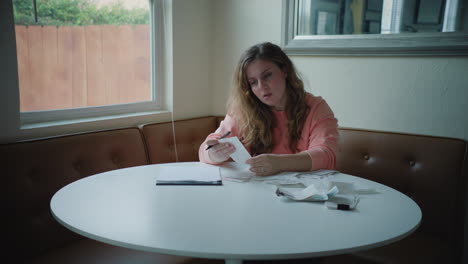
<point>233,261</point>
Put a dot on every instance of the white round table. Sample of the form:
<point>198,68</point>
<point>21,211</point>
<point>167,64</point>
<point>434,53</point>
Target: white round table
<point>236,221</point>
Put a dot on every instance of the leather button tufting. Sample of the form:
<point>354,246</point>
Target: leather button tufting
<point>412,163</point>
<point>366,157</point>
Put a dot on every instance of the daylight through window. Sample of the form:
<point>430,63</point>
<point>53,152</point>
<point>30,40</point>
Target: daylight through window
<point>82,53</point>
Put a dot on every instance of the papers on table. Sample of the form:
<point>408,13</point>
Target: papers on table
<point>310,193</point>
<point>238,173</point>
<point>197,174</point>
<point>311,186</point>
<point>301,178</point>
<point>336,195</point>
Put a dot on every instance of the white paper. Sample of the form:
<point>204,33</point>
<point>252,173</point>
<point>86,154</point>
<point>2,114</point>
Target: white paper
<point>197,172</point>
<point>311,193</point>
<point>234,171</point>
<point>302,178</point>
<point>241,155</point>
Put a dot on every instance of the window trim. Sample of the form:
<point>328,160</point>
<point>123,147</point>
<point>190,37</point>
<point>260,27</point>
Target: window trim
<point>421,44</point>
<point>36,118</point>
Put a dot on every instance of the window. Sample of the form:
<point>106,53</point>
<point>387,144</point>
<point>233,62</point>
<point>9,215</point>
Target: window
<point>87,58</point>
<point>375,27</point>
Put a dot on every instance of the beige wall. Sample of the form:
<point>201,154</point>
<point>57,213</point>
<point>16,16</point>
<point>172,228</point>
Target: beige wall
<point>239,24</point>
<point>192,58</point>
<point>415,95</point>
<point>423,95</point>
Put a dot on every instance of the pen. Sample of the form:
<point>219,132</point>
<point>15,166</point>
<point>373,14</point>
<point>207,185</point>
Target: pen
<point>225,135</point>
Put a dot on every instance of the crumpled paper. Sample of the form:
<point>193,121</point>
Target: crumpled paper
<point>243,174</point>
<point>315,186</point>
<point>310,193</point>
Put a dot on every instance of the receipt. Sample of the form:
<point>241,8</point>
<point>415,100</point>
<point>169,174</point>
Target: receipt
<point>311,193</point>
<point>303,178</point>
<point>241,155</point>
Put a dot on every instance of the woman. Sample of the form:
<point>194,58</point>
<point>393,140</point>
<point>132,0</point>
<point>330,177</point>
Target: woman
<point>283,127</point>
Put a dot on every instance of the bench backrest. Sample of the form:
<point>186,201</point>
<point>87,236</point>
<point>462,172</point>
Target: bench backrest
<point>35,170</point>
<point>189,134</point>
<point>428,169</point>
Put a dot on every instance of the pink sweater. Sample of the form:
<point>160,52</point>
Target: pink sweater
<point>319,136</point>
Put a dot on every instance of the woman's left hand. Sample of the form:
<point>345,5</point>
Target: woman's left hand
<point>265,164</point>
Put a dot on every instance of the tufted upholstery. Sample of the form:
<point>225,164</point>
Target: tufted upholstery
<point>189,136</point>
<point>34,171</point>
<point>427,169</point>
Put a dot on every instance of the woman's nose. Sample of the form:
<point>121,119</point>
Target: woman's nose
<point>262,85</point>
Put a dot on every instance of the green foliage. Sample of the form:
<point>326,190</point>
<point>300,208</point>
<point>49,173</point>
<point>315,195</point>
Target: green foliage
<point>77,12</point>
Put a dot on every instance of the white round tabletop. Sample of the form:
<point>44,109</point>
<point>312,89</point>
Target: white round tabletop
<point>234,221</point>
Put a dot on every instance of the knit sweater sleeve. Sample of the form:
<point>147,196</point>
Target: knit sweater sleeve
<point>323,135</point>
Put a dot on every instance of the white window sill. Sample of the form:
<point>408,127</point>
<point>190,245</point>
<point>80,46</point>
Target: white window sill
<point>90,124</point>
<point>93,119</point>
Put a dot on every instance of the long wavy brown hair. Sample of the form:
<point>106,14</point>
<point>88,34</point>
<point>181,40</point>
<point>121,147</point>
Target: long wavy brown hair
<point>255,119</point>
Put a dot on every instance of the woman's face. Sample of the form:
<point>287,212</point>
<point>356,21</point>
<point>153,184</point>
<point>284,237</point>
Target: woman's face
<point>268,83</point>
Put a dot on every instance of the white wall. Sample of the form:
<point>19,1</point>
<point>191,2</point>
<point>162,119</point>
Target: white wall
<point>192,58</point>
<point>422,95</point>
<point>239,24</point>
<point>416,95</point>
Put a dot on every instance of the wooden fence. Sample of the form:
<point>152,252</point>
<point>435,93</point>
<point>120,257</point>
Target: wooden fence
<point>70,67</point>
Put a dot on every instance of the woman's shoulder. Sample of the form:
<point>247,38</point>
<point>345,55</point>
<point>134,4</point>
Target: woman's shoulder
<point>311,99</point>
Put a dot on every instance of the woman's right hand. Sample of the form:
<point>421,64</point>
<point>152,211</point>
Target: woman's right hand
<point>219,152</point>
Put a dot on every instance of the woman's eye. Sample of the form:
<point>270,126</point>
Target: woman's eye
<point>268,75</point>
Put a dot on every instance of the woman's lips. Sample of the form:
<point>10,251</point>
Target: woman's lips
<point>266,96</point>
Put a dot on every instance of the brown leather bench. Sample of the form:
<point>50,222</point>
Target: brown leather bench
<point>189,134</point>
<point>36,169</point>
<point>428,169</point>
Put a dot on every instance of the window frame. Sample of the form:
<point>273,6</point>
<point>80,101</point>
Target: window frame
<point>403,44</point>
<point>74,115</point>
